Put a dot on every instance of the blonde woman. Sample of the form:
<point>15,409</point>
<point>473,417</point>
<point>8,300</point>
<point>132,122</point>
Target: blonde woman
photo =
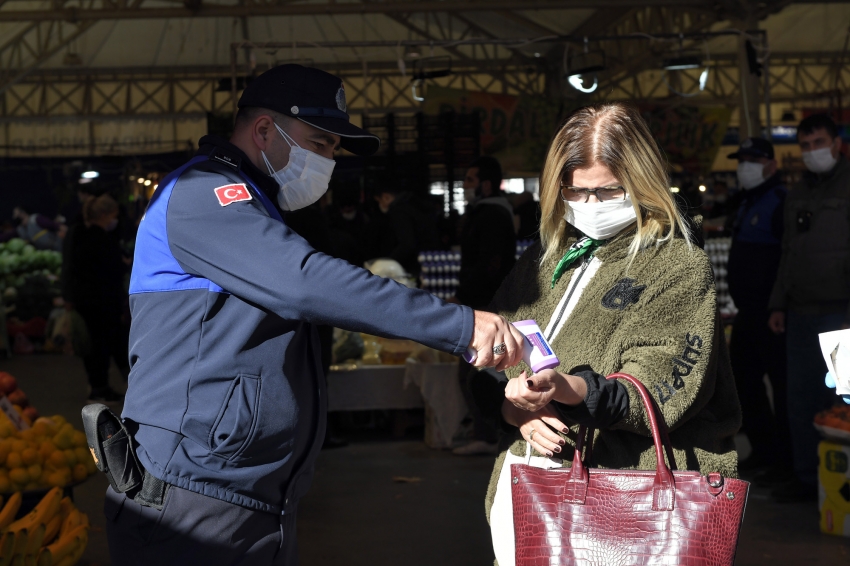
<point>618,284</point>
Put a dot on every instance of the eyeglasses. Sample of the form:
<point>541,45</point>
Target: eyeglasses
<point>603,194</point>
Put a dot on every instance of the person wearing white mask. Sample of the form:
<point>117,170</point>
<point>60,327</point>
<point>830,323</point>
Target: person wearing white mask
<point>812,289</point>
<point>226,402</point>
<point>618,284</point>
<point>757,227</point>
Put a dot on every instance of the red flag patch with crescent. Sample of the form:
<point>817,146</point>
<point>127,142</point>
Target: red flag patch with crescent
<point>232,193</point>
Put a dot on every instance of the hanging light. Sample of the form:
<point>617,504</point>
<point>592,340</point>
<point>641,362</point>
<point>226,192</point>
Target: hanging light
<point>148,183</point>
<point>577,82</point>
<point>90,175</point>
<point>702,188</point>
<point>674,189</point>
<point>140,180</point>
<point>578,65</point>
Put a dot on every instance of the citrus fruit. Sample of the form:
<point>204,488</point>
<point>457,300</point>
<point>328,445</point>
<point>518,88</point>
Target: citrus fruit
<point>31,456</point>
<point>70,457</point>
<point>19,476</point>
<point>80,473</point>
<point>14,460</point>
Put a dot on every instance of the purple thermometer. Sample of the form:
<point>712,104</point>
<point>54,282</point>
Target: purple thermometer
<point>537,353</point>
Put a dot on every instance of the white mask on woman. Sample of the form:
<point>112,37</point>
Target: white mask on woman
<point>819,160</point>
<point>750,174</point>
<point>601,220</point>
<point>304,179</point>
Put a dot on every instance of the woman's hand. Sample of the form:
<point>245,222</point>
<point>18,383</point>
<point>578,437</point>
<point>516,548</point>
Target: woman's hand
<point>532,426</point>
<point>535,392</point>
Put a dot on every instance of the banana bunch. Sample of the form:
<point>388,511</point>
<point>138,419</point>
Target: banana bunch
<point>54,533</point>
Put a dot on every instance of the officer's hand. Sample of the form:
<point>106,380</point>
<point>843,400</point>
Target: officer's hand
<point>777,322</point>
<point>491,330</point>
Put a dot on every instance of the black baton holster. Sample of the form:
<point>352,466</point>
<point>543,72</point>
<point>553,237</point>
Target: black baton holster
<point>112,448</point>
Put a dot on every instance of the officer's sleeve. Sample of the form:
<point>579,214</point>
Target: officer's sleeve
<point>261,261</point>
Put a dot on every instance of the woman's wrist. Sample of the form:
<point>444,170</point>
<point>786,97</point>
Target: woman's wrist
<point>570,390</point>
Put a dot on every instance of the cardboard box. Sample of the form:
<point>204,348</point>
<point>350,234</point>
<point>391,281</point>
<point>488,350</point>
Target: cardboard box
<point>834,488</point>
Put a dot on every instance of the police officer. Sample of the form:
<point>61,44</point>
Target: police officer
<point>753,263</point>
<point>226,400</point>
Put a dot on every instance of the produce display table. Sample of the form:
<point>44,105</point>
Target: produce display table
<point>414,385</point>
<point>370,388</point>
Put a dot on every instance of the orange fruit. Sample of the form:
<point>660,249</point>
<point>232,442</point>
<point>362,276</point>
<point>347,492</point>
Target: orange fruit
<point>19,445</point>
<point>83,454</point>
<point>80,473</point>
<point>28,435</point>
<point>14,460</point>
<point>78,438</point>
<point>31,456</point>
<point>46,448</point>
<point>5,484</point>
<point>6,430</point>
<point>59,420</point>
<point>70,457</point>
<point>63,440</point>
<point>57,459</point>
<point>19,476</point>
<point>4,452</point>
<point>34,471</point>
<point>56,479</point>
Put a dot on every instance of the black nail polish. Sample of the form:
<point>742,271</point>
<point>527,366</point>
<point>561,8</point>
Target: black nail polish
<point>549,454</point>
<point>529,383</point>
<point>557,449</point>
<point>562,442</point>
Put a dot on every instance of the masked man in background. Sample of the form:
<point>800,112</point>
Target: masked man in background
<point>812,290</point>
<point>754,350</point>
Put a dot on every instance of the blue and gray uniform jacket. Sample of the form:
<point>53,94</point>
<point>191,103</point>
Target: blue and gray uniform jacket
<point>226,395</point>
<point>757,244</point>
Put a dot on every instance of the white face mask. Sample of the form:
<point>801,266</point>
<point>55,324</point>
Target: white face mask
<point>750,174</point>
<point>304,179</point>
<point>601,220</point>
<point>349,215</point>
<point>469,194</point>
<point>819,160</point>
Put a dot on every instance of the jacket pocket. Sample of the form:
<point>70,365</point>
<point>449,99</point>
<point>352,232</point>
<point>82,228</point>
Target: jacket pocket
<point>237,418</point>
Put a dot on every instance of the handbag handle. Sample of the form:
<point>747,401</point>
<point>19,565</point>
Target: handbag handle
<point>663,491</point>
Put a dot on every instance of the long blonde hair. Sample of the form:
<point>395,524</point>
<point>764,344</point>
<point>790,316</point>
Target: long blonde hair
<point>615,135</point>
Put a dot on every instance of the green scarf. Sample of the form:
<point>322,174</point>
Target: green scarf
<point>584,246</point>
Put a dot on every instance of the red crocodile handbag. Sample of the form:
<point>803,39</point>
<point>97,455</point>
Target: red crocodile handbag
<point>592,516</point>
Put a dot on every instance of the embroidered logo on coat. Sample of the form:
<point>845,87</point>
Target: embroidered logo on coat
<point>682,367</point>
<point>623,294</point>
<point>232,193</point>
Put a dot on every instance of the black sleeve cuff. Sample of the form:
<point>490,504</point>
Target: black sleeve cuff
<point>488,393</point>
<point>606,403</point>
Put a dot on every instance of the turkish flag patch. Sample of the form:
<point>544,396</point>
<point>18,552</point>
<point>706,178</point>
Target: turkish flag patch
<point>232,193</point>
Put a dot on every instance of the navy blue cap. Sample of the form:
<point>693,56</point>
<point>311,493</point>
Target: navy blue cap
<point>756,147</point>
<point>312,96</point>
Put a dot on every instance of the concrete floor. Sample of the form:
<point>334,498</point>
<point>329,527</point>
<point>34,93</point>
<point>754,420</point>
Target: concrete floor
<point>356,514</point>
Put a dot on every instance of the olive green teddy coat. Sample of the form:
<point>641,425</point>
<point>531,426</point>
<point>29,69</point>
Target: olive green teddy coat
<point>665,330</point>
